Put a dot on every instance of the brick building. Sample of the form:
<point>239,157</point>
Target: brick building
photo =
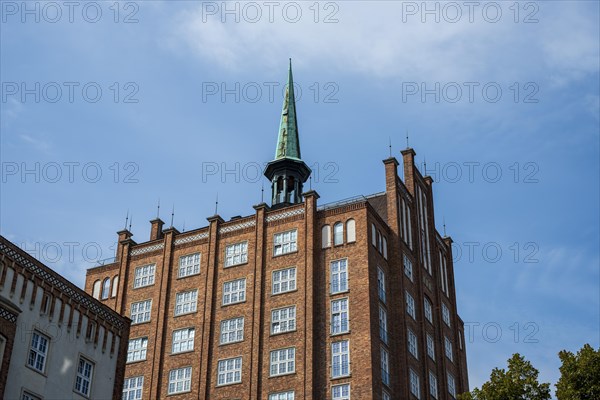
<point>56,341</point>
<point>347,300</point>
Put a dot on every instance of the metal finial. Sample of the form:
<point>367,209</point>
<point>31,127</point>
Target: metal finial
<point>310,182</point>
<point>158,209</point>
<point>130,222</point>
<point>262,193</point>
<point>390,146</point>
<point>217,204</point>
<point>183,230</point>
<point>444,219</point>
<point>424,165</point>
<point>126,219</point>
<point>407,146</point>
<point>172,215</point>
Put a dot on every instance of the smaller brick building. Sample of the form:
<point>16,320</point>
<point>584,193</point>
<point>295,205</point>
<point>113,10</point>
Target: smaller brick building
<point>56,341</point>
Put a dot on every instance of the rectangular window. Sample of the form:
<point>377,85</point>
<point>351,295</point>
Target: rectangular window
<point>132,388</point>
<point>236,254</point>
<point>284,280</point>
<point>285,242</point>
<point>83,380</point>
<point>373,235</point>
<point>433,388</point>
<point>234,291</point>
<point>408,267</point>
<point>448,348</point>
<point>415,386</point>
<point>383,334</point>
<point>185,302</point>
<point>430,347</point>
<point>451,385</point>
<point>385,367</point>
<point>136,350</point>
<point>339,316</point>
<point>381,284</point>
<point>443,273</point>
<point>384,245</point>
<point>282,395</point>
<point>38,351</point>
<point>229,371</point>
<point>144,276</point>
<point>385,395</point>
<point>232,330</point>
<point>283,361</point>
<point>410,306</point>
<point>29,396</point>
<point>460,340</point>
<point>140,311</point>
<point>183,340</point>
<point>180,380</point>
<point>412,344</point>
<point>189,265</point>
<point>428,310</point>
<point>339,276</point>
<point>446,314</point>
<point>340,392</point>
<point>283,320</point>
<point>340,352</point>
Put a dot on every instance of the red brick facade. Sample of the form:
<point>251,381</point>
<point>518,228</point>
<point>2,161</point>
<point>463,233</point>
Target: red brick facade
<point>382,218</point>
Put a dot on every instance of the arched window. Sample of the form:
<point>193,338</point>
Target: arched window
<point>96,289</point>
<point>105,288</point>
<point>384,245</point>
<point>350,231</point>
<point>325,236</point>
<point>115,286</point>
<point>338,233</point>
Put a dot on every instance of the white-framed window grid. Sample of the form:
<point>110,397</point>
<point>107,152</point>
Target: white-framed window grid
<point>339,316</point>
<point>283,280</point>
<point>183,340</point>
<point>283,320</point>
<point>189,265</point>
<point>285,242</point>
<point>186,302</point>
<point>236,254</point>
<point>232,330</point>
<point>339,276</point>
<point>144,276</point>
<point>234,291</point>
<point>140,311</point>
<point>136,349</point>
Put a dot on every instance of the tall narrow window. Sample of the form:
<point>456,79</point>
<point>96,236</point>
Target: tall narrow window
<point>384,245</point>
<point>415,385</point>
<point>373,235</point>
<point>350,231</point>
<point>410,306</point>
<point>83,381</point>
<point>408,268</point>
<point>340,352</point>
<point>339,316</point>
<point>430,347</point>
<point>428,309</point>
<point>339,276</point>
<point>115,286</point>
<point>105,288</point>
<point>96,289</point>
<point>443,274</point>
<point>448,348</point>
<point>381,284</point>
<point>433,388</point>
<point>451,385</point>
<point>385,367</point>
<point>383,333</point>
<point>446,314</point>
<point>338,234</point>
<point>325,236</point>
<point>412,344</point>
<point>38,351</point>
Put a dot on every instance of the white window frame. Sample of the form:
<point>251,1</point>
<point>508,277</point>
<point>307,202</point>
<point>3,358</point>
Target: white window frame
<point>232,330</point>
<point>236,254</point>
<point>186,302</point>
<point>38,348</point>
<point>415,385</point>
<point>340,316</point>
<point>343,358</point>
<point>285,242</point>
<point>408,267</point>
<point>430,346</point>
<point>283,317</point>
<point>350,231</point>
<point>428,309</point>
<point>183,340</point>
<point>383,332</point>
<point>287,395</point>
<point>433,386</point>
<point>413,345</point>
<point>446,315</point>
<point>448,348</point>
<point>339,279</point>
<point>281,278</point>
<point>230,371</point>
<point>385,367</point>
<point>84,377</point>
<point>282,361</point>
<point>373,235</point>
<point>239,293</point>
<point>143,311</point>
<point>337,392</point>
<point>381,284</point>
<point>411,308</point>
<point>189,265</point>
<point>137,349</point>
<point>451,385</point>
<point>180,376</point>
<point>144,275</point>
<point>338,233</point>
<point>133,388</point>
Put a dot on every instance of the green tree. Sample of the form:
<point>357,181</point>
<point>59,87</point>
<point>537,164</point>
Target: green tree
<point>519,382</point>
<point>579,375</point>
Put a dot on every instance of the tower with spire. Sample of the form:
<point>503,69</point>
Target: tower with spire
<point>287,172</point>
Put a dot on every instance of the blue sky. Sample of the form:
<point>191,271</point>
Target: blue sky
<point>512,139</point>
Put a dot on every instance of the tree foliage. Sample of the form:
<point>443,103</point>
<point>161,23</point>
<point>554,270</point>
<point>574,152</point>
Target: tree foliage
<point>580,375</point>
<point>519,382</point>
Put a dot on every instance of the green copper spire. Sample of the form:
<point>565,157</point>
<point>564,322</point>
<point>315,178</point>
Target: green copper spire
<point>288,143</point>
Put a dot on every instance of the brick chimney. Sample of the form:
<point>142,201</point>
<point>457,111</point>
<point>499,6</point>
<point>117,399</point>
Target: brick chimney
<point>156,231</point>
